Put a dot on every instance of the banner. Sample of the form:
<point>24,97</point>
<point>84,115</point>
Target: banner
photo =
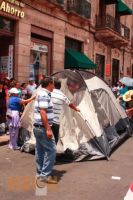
<point>10,62</point>
<point>107,70</point>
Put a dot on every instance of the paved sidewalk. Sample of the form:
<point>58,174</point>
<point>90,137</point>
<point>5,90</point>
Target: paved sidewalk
<point>4,139</point>
<point>90,180</point>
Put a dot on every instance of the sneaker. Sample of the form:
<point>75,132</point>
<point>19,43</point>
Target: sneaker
<point>16,148</point>
<point>10,147</point>
<point>51,180</point>
<point>42,181</point>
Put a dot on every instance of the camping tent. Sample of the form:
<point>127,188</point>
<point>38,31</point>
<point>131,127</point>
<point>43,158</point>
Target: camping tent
<point>101,124</point>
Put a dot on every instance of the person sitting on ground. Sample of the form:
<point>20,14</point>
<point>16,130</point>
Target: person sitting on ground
<point>13,116</point>
<point>121,102</point>
<point>58,99</point>
<point>123,89</point>
<point>128,98</point>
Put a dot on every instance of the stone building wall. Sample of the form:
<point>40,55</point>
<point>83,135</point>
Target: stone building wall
<point>61,24</point>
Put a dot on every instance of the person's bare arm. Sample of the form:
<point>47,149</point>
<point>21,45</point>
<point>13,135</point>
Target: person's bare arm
<point>129,112</point>
<point>72,106</point>
<point>23,101</point>
<point>46,124</point>
<point>130,109</point>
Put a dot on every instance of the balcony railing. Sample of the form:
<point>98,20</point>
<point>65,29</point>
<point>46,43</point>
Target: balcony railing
<point>80,7</point>
<point>110,22</point>
<point>60,2</point>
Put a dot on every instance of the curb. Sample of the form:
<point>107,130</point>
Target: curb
<point>4,140</point>
<point>2,143</point>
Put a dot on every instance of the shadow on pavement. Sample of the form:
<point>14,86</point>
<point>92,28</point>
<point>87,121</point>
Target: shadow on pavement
<point>58,173</point>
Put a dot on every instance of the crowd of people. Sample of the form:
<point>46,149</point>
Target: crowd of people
<point>124,95</point>
<point>24,92</point>
<point>48,105</point>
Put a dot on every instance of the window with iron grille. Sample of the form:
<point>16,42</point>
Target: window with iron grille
<point>81,7</point>
<point>61,2</point>
<point>100,61</point>
<point>6,24</point>
<point>72,5</point>
<point>86,9</point>
<point>73,44</point>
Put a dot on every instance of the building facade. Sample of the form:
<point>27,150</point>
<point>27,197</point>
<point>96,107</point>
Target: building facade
<point>34,35</point>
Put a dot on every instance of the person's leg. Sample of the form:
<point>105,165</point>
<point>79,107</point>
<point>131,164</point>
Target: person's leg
<point>16,130</point>
<point>13,123</point>
<point>49,147</point>
<point>39,151</point>
<point>13,131</point>
<point>55,129</point>
<point>13,137</point>
<point>11,134</point>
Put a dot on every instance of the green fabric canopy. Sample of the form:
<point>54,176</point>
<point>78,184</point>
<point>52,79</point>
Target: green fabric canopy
<point>123,9</point>
<point>78,60</point>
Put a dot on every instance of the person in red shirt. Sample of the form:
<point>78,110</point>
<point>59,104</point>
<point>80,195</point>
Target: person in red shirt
<point>2,106</point>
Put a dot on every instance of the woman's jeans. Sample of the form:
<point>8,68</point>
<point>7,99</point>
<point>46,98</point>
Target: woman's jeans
<point>45,152</point>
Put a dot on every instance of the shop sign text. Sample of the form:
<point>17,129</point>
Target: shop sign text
<point>6,7</point>
<point>39,47</point>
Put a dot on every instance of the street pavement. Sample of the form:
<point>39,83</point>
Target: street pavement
<point>90,180</point>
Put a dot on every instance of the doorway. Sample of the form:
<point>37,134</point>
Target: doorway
<point>6,47</point>
<point>115,71</point>
<point>40,59</point>
<point>100,62</point>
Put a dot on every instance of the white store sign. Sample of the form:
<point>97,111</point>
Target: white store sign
<point>39,47</point>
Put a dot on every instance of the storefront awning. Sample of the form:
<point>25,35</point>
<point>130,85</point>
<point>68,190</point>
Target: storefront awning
<point>123,9</point>
<point>78,60</point>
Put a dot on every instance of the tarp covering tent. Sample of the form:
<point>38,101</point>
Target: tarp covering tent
<point>100,126</point>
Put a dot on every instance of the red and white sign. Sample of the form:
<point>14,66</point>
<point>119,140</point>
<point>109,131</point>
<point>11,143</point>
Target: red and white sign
<point>129,195</point>
<point>107,70</point>
<point>39,47</point>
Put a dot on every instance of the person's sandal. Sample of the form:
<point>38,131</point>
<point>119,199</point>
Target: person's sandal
<point>41,181</point>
